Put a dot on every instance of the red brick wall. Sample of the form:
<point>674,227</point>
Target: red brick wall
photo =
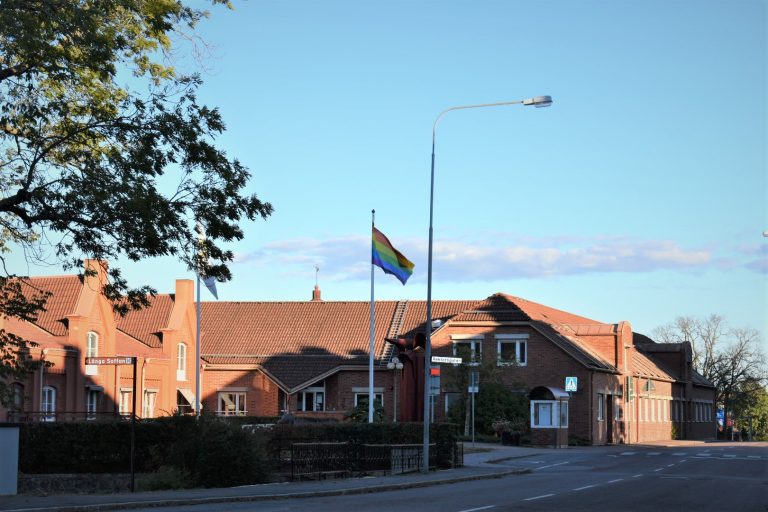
<point>261,393</point>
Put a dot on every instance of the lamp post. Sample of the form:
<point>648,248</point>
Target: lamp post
<point>396,365</point>
<point>536,101</point>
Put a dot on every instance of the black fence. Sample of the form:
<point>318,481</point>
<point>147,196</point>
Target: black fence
<point>341,460</point>
<point>44,416</point>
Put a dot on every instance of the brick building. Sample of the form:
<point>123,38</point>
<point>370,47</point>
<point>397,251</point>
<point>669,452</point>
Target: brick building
<point>79,322</point>
<point>311,358</point>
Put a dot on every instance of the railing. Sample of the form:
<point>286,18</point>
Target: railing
<point>340,460</point>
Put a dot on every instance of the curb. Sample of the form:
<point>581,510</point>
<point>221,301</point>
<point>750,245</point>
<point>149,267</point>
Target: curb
<point>264,497</point>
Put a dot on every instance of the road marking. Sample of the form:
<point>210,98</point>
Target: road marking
<point>628,453</point>
<point>753,456</point>
<point>704,454</point>
<point>585,487</point>
<point>728,455</point>
<point>614,481</point>
<point>653,453</point>
<point>678,454</point>
<point>670,465</point>
<point>683,461</point>
<point>478,508</point>
<point>551,465</point>
<point>675,477</point>
<point>538,497</point>
<point>637,476</point>
<point>658,469</point>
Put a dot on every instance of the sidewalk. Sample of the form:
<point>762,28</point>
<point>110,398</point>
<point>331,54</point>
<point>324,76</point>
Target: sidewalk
<point>477,465</point>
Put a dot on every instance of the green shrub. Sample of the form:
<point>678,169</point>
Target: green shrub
<point>166,477</point>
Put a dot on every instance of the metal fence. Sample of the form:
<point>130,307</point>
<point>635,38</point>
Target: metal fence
<point>340,460</point>
<point>45,416</point>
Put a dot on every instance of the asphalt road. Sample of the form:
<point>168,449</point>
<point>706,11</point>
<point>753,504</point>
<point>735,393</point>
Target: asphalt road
<point>720,478</point>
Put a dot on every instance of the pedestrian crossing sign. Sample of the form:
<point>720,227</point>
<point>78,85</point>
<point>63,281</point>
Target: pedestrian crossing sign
<point>571,383</point>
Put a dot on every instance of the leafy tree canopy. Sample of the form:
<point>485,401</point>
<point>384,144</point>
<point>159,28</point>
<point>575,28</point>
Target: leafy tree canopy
<point>87,159</point>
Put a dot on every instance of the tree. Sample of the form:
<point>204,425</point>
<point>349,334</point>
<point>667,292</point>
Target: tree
<point>92,167</point>
<point>730,358</point>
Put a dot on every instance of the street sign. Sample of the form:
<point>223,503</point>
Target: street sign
<point>571,384</point>
<point>108,360</point>
<point>434,380</point>
<point>441,359</point>
<point>474,382</point>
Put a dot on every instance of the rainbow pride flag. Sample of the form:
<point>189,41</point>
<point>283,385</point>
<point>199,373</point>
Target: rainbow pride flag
<point>389,259</point>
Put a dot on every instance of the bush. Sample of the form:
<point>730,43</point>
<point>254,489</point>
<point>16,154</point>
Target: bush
<point>166,477</point>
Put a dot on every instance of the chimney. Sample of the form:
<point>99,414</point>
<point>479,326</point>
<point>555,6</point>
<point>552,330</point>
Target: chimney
<point>316,294</point>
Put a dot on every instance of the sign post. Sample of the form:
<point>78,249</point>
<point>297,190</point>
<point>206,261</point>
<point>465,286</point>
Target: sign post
<point>123,360</point>
<point>474,387</point>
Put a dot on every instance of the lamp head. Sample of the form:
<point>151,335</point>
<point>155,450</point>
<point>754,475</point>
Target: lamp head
<point>539,101</point>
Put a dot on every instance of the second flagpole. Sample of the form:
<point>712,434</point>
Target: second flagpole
<point>370,344</point>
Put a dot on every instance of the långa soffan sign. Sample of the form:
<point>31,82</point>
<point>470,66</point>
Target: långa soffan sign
<point>108,360</point>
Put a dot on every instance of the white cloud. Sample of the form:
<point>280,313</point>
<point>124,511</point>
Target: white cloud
<point>347,258</point>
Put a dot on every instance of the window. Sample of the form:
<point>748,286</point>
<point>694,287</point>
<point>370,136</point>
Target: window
<point>617,409</point>
<point>600,407</point>
<point>231,403</point>
<point>92,403</point>
<point>470,350</point>
<point>549,413</point>
<point>512,349</point>
<point>362,398</point>
<point>92,350</point>
<point>312,399</point>
<point>452,400</point>
<point>126,402</point>
<point>148,405</point>
<point>18,397</point>
<point>49,404</point>
<point>181,362</point>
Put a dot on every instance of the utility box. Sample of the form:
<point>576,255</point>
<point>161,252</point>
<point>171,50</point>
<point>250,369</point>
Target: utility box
<point>9,460</point>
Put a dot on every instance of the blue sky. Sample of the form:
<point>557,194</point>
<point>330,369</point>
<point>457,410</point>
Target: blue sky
<point>639,195</point>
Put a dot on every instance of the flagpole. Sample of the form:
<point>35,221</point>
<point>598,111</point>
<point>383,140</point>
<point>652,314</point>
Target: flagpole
<point>197,352</point>
<point>370,344</point>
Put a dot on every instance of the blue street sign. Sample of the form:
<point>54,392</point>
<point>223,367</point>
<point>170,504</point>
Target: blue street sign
<point>571,384</point>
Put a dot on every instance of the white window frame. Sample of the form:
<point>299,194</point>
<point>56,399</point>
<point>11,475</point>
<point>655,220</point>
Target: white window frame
<point>237,399</point>
<point>377,396</point>
<point>555,411</point>
<point>17,390</point>
<point>617,409</point>
<point>600,407</point>
<point>48,403</point>
<point>520,341</point>
<point>475,343</point>
<point>148,403</point>
<point>92,350</point>
<point>126,401</point>
<point>92,402</point>
<point>314,391</point>
<point>181,361</point>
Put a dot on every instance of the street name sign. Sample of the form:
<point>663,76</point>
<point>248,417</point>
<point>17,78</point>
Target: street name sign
<point>441,359</point>
<point>108,360</point>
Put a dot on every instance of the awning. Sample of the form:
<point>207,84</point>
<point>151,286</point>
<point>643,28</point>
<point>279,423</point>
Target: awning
<point>189,396</point>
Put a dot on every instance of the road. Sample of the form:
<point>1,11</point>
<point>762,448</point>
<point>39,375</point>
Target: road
<point>718,477</point>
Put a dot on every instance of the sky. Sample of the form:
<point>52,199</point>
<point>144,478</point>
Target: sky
<point>639,195</point>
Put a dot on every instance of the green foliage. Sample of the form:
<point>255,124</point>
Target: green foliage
<point>166,477</point>
<point>359,414</point>
<point>202,453</point>
<point>93,167</point>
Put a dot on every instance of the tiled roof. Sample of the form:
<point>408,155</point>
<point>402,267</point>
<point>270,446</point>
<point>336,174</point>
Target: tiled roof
<point>145,324</point>
<point>416,316</point>
<point>644,366</point>
<point>293,328</point>
<point>129,346</point>
<point>65,291</point>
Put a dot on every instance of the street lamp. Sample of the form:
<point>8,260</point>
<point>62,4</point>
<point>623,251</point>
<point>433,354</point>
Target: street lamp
<point>395,364</point>
<point>536,101</point>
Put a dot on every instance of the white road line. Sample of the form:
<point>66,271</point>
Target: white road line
<point>653,453</point>
<point>614,481</point>
<point>628,453</point>
<point>704,454</point>
<point>729,456</point>
<point>637,476</point>
<point>658,469</point>
<point>585,487</point>
<point>753,456</point>
<point>678,454</point>
<point>670,465</point>
<point>551,465</point>
<point>683,461</point>
<point>538,497</point>
<point>478,508</point>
